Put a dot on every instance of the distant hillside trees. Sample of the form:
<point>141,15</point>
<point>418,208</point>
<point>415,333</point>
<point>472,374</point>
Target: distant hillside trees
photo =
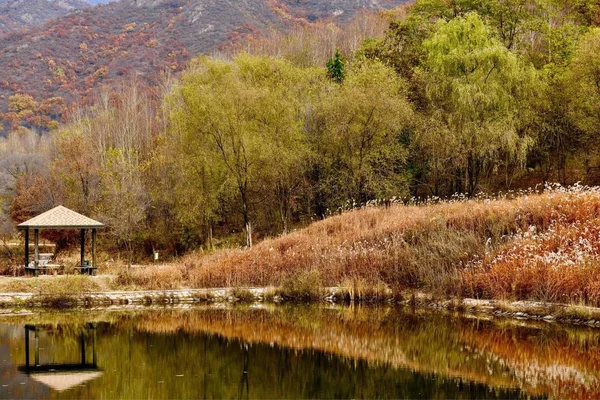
<point>72,57</point>
<point>25,111</point>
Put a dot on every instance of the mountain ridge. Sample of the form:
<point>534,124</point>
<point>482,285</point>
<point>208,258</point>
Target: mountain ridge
<point>17,15</point>
<point>69,57</point>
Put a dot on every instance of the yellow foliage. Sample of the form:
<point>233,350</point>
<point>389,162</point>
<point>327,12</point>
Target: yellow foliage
<point>21,102</point>
<point>130,27</point>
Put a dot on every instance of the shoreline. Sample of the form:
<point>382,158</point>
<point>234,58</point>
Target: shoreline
<point>20,302</point>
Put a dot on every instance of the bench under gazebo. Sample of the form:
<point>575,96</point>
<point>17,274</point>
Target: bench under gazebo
<point>59,218</point>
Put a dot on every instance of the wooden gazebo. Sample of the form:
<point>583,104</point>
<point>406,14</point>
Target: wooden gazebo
<point>59,218</point>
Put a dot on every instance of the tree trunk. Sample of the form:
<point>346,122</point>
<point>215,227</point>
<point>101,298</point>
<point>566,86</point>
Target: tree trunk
<point>248,234</point>
<point>285,225</point>
<point>129,255</point>
<point>473,172</point>
<point>210,236</point>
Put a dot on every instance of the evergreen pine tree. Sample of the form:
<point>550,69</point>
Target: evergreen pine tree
<point>335,67</point>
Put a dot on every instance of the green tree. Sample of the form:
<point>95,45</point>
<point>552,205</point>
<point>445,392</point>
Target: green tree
<point>361,123</point>
<point>245,116</point>
<point>476,86</point>
<point>402,46</point>
<point>581,84</point>
<point>336,67</point>
<point>124,197</point>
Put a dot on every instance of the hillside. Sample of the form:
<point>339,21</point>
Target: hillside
<point>71,56</point>
<point>532,247</point>
<point>16,15</point>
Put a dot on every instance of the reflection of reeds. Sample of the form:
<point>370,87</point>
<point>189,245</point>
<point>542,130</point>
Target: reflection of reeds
<point>61,319</point>
<point>538,358</point>
<point>562,364</point>
<point>541,361</point>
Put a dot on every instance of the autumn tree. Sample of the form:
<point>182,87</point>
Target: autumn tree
<point>19,103</point>
<point>100,157</point>
<point>121,131</point>
<point>24,168</point>
<point>360,126</point>
<point>24,110</point>
<point>476,87</point>
<point>582,88</point>
<point>244,120</point>
<point>76,166</point>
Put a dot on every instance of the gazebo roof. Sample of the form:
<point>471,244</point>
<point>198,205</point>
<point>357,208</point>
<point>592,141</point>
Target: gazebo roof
<point>61,381</point>
<point>60,218</point>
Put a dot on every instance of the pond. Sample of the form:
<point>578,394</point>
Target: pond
<point>292,352</point>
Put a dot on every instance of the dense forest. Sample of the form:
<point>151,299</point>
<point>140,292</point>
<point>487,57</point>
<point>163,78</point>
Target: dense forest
<point>430,100</point>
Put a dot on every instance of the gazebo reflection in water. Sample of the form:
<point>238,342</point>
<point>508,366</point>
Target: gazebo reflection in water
<point>56,375</point>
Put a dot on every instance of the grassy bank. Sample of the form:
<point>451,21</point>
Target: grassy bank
<point>531,247</point>
<point>534,246</point>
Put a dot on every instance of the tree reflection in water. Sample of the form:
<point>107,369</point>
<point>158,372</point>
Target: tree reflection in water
<point>315,352</point>
<point>244,387</point>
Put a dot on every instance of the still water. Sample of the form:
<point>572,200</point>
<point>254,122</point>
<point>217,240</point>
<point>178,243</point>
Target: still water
<point>292,352</point>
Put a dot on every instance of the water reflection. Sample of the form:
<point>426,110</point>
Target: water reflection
<point>294,352</point>
<point>56,375</point>
<point>244,388</point>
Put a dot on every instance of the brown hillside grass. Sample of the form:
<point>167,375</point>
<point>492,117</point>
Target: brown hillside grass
<point>560,265</point>
<point>450,248</point>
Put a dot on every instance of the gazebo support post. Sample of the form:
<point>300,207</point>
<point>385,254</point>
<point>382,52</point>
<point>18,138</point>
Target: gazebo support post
<point>82,348</point>
<point>26,250</point>
<point>36,235</point>
<point>82,250</point>
<point>36,346</point>
<point>94,362</point>
<point>27,346</point>
<point>93,270</point>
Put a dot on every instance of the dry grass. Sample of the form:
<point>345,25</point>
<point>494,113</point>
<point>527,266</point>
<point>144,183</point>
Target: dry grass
<point>534,246</point>
<point>54,285</point>
<point>560,265</point>
<point>557,264</point>
<point>154,277</point>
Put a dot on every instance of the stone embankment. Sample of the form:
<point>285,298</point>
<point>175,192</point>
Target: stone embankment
<point>141,297</point>
<point>525,310</point>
